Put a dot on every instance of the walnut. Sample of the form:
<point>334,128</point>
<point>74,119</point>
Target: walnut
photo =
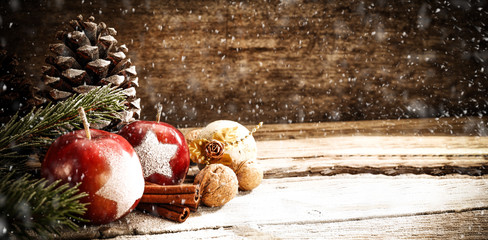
<point>218,185</point>
<point>249,174</point>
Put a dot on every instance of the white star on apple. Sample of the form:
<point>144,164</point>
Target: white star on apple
<point>155,156</point>
<point>123,195</point>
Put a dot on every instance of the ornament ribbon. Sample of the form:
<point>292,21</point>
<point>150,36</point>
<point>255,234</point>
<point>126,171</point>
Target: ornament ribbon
<point>204,151</point>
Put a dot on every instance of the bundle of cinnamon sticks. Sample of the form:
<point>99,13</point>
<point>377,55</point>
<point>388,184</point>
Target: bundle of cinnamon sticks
<point>174,202</point>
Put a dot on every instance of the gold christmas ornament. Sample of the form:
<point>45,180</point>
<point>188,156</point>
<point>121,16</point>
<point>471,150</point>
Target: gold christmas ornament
<point>192,135</point>
<point>231,144</point>
<point>234,139</point>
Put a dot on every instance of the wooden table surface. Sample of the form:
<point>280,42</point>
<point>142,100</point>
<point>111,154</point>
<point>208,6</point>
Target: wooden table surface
<point>394,179</point>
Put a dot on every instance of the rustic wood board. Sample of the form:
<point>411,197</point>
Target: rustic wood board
<point>308,201</point>
<point>314,147</point>
<point>452,225</point>
<point>307,195</point>
<point>435,146</point>
<point>389,155</point>
<point>462,126</point>
<point>280,61</point>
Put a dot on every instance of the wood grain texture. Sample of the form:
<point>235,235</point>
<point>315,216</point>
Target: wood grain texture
<point>391,147</point>
<point>281,61</point>
<point>459,126</point>
<point>306,194</point>
<point>421,146</point>
<point>457,225</point>
<point>463,126</point>
<point>365,201</point>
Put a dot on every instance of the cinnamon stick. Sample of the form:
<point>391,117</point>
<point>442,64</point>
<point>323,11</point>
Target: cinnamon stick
<point>152,188</point>
<point>187,195</point>
<point>171,212</point>
<point>181,199</point>
<point>192,208</point>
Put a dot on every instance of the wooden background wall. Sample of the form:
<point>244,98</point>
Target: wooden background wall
<point>282,61</point>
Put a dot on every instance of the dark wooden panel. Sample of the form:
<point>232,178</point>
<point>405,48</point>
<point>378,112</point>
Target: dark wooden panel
<point>282,61</point>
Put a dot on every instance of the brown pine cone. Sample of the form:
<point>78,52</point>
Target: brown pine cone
<point>87,57</point>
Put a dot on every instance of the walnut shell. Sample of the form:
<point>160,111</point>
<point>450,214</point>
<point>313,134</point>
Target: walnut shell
<point>218,185</point>
<point>249,174</point>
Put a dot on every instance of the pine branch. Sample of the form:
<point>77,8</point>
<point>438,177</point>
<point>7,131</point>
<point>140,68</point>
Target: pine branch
<point>32,208</point>
<point>39,128</point>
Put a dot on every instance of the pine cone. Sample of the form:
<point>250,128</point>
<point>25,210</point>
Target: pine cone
<point>89,57</point>
<point>17,94</point>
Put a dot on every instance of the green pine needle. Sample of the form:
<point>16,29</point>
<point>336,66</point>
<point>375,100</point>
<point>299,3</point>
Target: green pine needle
<point>30,208</point>
<point>39,128</point>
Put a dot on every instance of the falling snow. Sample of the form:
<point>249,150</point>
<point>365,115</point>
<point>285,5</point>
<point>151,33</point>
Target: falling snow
<point>284,62</point>
<point>259,62</point>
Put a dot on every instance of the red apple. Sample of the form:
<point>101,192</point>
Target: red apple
<point>162,149</point>
<point>107,167</point>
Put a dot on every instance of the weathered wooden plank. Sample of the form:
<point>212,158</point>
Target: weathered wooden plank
<point>388,165</point>
<point>452,225</point>
<point>465,126</point>
<point>319,200</point>
<point>306,61</point>
<point>390,155</point>
<point>432,146</point>
<point>374,145</point>
<point>463,225</point>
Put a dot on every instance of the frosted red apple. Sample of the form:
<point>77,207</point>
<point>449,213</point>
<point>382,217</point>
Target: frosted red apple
<point>107,167</point>
<point>162,149</point>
